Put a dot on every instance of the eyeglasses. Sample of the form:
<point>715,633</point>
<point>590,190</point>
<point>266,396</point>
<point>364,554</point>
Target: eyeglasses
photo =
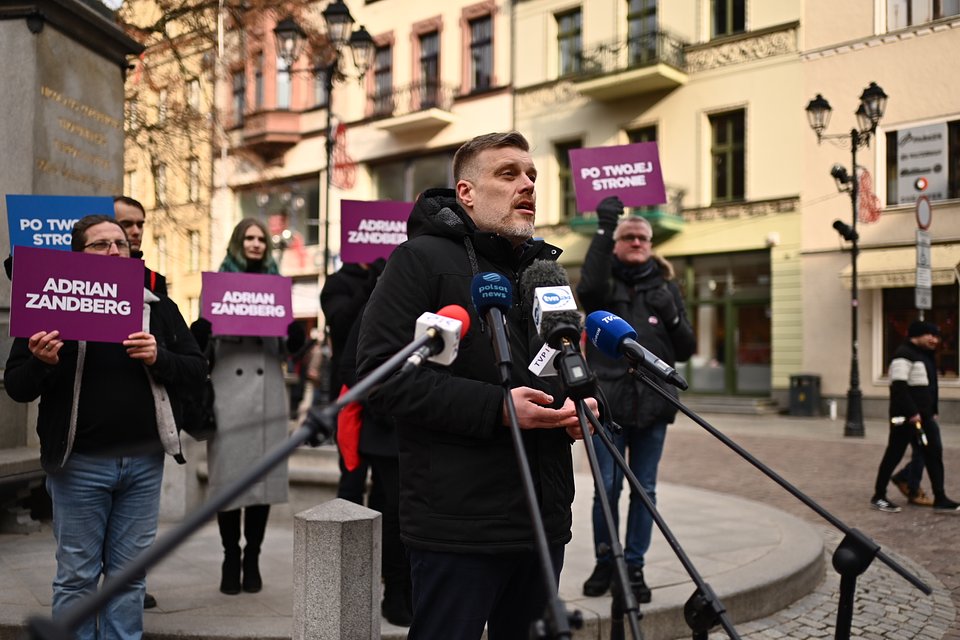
<point>629,237</point>
<point>104,245</point>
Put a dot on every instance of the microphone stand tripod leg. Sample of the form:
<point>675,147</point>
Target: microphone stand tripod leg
<point>628,602</point>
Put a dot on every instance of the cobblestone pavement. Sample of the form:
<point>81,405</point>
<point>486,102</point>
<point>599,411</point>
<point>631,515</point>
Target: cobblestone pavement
<point>838,473</point>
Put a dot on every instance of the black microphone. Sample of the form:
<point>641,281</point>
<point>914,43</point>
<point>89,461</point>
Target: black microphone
<point>614,337</point>
<point>493,296</point>
<point>546,286</point>
<point>559,323</point>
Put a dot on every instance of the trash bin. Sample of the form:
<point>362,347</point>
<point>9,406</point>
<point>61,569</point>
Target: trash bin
<point>804,395</point>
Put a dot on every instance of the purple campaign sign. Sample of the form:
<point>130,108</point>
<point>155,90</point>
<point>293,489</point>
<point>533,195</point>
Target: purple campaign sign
<point>630,172</point>
<point>246,304</point>
<point>84,296</point>
<point>371,230</point>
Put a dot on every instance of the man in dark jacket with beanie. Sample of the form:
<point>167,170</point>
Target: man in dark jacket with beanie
<point>913,414</point>
<point>621,274</point>
<point>463,514</point>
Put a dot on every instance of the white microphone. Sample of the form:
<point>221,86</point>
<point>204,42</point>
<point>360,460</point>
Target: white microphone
<point>443,331</point>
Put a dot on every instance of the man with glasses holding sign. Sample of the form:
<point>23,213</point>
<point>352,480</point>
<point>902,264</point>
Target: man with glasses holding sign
<point>108,413</point>
<point>621,274</point>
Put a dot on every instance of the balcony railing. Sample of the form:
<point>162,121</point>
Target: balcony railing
<point>419,96</point>
<point>640,51</point>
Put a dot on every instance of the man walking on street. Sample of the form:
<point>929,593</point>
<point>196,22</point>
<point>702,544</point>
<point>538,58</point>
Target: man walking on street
<point>913,414</point>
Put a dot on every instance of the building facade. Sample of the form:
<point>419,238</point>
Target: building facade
<point>719,85</point>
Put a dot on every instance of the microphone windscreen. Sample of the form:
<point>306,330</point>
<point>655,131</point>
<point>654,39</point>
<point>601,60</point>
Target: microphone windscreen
<point>607,330</point>
<point>542,273</point>
<point>491,290</point>
<point>457,312</point>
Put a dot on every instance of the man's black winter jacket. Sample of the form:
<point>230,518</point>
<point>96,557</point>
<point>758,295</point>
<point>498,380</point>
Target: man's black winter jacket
<point>460,488</point>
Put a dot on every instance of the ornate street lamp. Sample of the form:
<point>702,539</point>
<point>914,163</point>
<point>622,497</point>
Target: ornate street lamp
<point>290,39</point>
<point>873,102</point>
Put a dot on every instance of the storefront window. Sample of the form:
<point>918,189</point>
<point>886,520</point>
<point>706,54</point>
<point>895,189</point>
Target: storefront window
<point>899,311</point>
<point>291,205</point>
<point>404,180</point>
<point>729,306</point>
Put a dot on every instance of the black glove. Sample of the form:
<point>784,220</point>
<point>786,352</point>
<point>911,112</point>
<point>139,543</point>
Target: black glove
<point>201,330</point>
<point>661,302</point>
<point>608,212</point>
<point>296,337</point>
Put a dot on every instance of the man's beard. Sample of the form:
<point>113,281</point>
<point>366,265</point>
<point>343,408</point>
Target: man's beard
<point>520,230</point>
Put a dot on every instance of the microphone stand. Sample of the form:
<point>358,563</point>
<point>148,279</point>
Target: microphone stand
<point>855,552</point>
<point>556,622</point>
<point>578,382</point>
<point>42,628</point>
<point>703,610</point>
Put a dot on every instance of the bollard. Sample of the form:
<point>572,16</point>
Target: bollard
<point>336,572</point>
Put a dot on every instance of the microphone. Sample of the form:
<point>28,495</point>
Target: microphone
<point>444,330</point>
<point>559,323</point>
<point>546,286</point>
<point>614,338</point>
<point>492,296</point>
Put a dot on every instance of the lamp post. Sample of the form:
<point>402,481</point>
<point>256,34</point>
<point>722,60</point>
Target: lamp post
<point>873,102</point>
<point>290,39</point>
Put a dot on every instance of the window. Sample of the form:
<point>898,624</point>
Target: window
<point>383,81</point>
<point>569,42</point>
<point>130,184</point>
<point>161,184</point>
<point>923,161</point>
<point>258,82</point>
<point>194,251</point>
<point>404,180</point>
<point>899,310</point>
<point>727,153</point>
<point>644,134</point>
<point>296,203</point>
<point>481,53</point>
<point>161,242</point>
<point>729,17</point>
<point>239,96</point>
<point>162,107</point>
<point>904,13</point>
<point>642,31</point>
<point>194,180</point>
<point>568,198</point>
<point>133,114</point>
<point>320,97</point>
<point>429,69</point>
<point>284,88</point>
<point>193,94</point>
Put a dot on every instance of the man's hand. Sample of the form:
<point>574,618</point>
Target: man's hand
<point>45,346</point>
<point>608,213</point>
<point>142,346</point>
<point>531,414</point>
<point>661,302</point>
<point>575,431</point>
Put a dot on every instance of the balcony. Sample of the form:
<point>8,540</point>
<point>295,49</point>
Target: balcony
<point>270,133</point>
<point>422,106</point>
<point>624,68</point>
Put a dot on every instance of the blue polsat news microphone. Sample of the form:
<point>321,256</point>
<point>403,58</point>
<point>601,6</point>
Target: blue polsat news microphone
<point>614,337</point>
<point>492,296</point>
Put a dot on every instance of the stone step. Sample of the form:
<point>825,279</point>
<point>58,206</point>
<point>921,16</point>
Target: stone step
<point>738,405</point>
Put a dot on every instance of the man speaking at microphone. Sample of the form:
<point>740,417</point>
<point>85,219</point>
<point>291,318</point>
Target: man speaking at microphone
<point>622,275</point>
<point>463,515</point>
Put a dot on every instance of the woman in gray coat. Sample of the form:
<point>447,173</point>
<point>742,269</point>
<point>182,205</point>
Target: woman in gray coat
<point>251,411</point>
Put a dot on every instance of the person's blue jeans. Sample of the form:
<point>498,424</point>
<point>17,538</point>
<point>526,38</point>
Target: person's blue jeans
<point>645,447</point>
<point>105,513</point>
